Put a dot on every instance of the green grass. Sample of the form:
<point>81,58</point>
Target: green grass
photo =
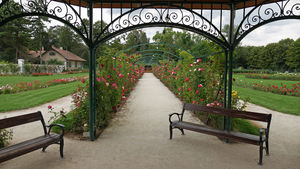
<point>11,80</point>
<point>281,103</point>
<point>240,79</point>
<point>27,99</point>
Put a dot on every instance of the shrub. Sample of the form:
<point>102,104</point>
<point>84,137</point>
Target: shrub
<point>5,137</point>
<point>198,83</point>
<point>4,68</point>
<point>13,68</point>
<point>28,68</point>
<point>55,62</point>
<point>113,87</point>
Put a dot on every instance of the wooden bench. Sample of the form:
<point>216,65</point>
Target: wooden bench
<point>41,142</point>
<point>236,136</point>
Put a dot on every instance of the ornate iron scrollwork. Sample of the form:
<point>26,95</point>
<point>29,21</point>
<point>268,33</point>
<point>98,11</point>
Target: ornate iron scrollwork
<point>53,9</point>
<point>265,13</point>
<point>174,16</point>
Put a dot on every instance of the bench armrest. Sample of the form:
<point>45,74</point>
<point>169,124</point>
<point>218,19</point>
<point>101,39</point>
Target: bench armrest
<point>178,115</point>
<point>62,127</point>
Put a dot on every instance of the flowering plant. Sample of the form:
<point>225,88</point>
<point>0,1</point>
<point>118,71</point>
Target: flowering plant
<point>56,115</point>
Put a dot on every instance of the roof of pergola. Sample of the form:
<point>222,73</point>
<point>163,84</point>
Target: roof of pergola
<point>190,4</point>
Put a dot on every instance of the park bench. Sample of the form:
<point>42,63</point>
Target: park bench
<point>41,142</point>
<point>230,135</point>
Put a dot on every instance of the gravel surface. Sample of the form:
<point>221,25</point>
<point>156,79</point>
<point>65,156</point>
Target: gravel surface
<point>138,138</point>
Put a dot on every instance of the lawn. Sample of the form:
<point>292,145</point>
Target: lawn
<point>242,81</point>
<point>27,99</point>
<point>281,103</point>
<point>11,80</point>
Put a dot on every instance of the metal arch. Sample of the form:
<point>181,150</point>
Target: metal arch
<point>153,43</point>
<point>123,24</point>
<point>157,50</point>
<point>263,14</point>
<point>157,54</point>
<point>70,16</point>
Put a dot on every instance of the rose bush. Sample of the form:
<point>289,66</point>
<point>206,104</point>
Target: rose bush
<point>198,82</point>
<point>113,85</point>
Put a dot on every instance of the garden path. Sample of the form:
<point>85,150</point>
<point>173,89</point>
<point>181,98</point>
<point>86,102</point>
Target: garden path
<point>138,137</point>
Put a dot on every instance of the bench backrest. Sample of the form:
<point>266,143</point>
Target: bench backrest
<point>227,112</point>
<point>22,119</point>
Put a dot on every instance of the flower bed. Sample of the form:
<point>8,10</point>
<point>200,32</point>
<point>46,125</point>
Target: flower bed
<point>24,86</point>
<point>282,90</point>
<point>290,76</point>
<point>42,74</point>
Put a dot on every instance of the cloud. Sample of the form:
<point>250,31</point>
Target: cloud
<point>273,32</point>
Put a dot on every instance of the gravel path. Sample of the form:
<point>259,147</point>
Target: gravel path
<point>139,138</point>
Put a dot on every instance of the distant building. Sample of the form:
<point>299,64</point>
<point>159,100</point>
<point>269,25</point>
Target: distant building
<point>69,59</point>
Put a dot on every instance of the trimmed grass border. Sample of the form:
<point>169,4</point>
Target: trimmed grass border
<point>281,103</point>
<point>27,99</point>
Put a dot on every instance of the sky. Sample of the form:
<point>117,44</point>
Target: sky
<point>269,33</point>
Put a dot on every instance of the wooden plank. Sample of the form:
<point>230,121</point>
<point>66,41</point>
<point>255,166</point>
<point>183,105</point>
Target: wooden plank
<point>237,136</point>
<point>226,112</point>
<point>19,120</point>
<point>13,151</point>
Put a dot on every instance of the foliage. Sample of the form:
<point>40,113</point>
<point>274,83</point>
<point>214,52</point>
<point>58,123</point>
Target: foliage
<point>55,115</point>
<point>14,36</point>
<point>253,71</point>
<point>198,83</point>
<point>293,55</point>
<point>13,68</point>
<point>197,45</point>
<point>281,56</point>
<point>5,137</point>
<point>55,62</point>
<point>113,86</point>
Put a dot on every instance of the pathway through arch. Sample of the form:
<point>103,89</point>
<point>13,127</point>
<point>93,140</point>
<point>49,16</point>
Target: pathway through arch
<point>138,138</point>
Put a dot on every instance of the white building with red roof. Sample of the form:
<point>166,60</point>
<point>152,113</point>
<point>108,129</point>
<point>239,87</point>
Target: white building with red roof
<point>70,60</point>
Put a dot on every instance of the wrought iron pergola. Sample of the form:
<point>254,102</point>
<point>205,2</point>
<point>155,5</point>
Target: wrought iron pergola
<point>203,17</point>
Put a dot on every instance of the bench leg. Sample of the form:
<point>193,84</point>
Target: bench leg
<point>260,153</point>
<point>267,147</point>
<point>44,149</point>
<point>182,132</point>
<point>61,148</point>
<point>171,132</point>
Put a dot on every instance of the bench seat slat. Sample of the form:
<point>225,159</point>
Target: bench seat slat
<point>27,146</point>
<point>248,138</point>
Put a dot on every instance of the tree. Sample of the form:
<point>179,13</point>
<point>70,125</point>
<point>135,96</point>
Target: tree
<point>293,55</point>
<point>14,37</point>
<point>136,37</point>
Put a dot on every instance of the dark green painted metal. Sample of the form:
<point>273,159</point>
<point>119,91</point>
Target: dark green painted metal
<point>155,55</point>
<point>153,43</point>
<point>225,87</point>
<point>91,74</point>
<point>163,51</point>
<point>94,94</point>
<point>231,50</point>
